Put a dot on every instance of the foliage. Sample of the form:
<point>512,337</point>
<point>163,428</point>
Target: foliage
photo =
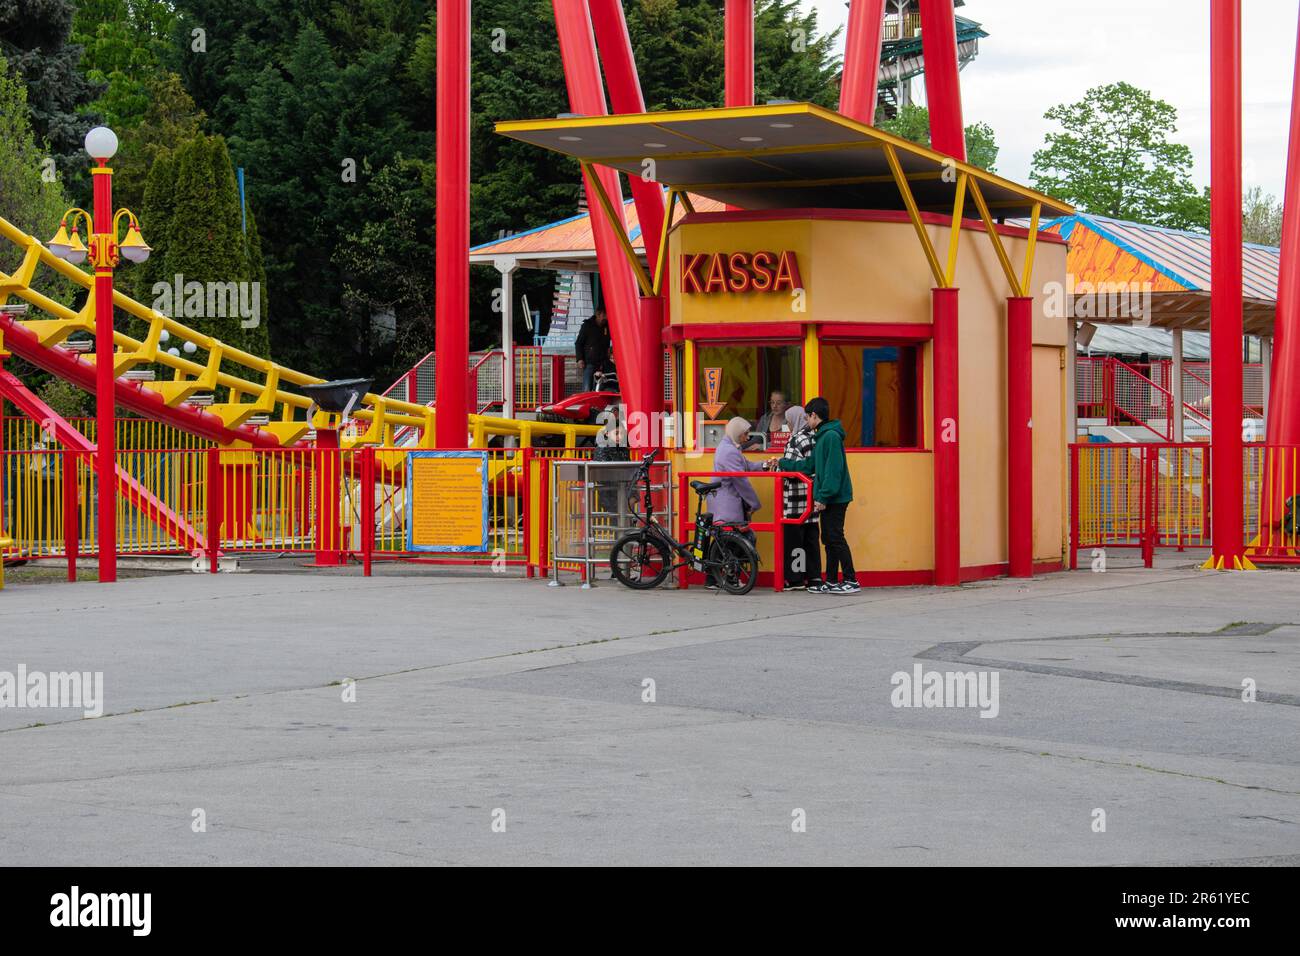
<point>1261,217</point>
<point>1114,156</point>
<point>913,123</point>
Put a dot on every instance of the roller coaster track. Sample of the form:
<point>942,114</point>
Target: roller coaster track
<point>262,388</point>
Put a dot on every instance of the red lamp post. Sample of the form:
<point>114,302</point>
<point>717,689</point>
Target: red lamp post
<point>104,252</point>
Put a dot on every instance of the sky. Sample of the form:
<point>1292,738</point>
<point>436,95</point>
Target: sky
<point>1043,52</point>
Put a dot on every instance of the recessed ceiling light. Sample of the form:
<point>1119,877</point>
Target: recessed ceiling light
<point>571,139</point>
<point>781,125</point>
<point>655,145</point>
<point>751,139</point>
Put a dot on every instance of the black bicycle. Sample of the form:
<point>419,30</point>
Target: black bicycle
<point>644,557</point>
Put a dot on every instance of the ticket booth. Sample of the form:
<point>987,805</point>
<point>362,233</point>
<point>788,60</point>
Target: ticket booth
<point>910,290</point>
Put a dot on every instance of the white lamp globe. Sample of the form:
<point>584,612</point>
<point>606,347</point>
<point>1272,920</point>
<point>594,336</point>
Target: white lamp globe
<point>164,336</point>
<point>101,143</point>
<point>190,348</point>
<point>173,351</point>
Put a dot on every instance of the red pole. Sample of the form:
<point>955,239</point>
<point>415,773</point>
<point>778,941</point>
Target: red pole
<point>451,293</point>
<point>367,509</point>
<point>652,361</point>
<point>326,462</point>
<point>71,528</point>
<point>105,452</point>
<point>214,508</point>
<point>947,458</point>
<point>858,85</point>
<point>587,98</point>
<point>615,46</point>
<point>1283,426</point>
<point>1226,484</point>
<point>738,52</point>
<point>1074,506</point>
<point>1020,437</point>
<point>942,81</point>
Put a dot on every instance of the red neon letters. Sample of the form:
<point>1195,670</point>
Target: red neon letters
<point>705,273</point>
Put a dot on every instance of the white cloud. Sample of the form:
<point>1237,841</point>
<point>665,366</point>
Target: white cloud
<point>1043,52</point>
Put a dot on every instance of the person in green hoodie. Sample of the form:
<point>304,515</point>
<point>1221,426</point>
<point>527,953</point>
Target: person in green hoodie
<point>832,492</point>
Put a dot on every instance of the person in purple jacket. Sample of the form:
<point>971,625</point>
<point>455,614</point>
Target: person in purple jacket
<point>736,499</point>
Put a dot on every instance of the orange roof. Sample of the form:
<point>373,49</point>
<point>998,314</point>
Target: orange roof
<point>571,239</point>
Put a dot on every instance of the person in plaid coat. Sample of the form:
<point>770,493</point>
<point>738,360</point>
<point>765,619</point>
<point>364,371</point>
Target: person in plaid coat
<point>803,546</point>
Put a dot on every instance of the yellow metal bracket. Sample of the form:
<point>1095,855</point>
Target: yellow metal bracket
<point>900,180</point>
<point>991,228</point>
<point>620,229</point>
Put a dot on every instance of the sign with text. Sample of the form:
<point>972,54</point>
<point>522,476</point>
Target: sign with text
<point>447,501</point>
<point>705,273</point>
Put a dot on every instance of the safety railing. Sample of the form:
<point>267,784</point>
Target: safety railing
<point>1151,495</point>
<point>135,434</point>
<point>776,527</point>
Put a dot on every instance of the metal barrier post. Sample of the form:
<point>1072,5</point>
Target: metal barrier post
<point>1074,507</point>
<point>70,516</point>
<point>367,508</point>
<point>214,508</point>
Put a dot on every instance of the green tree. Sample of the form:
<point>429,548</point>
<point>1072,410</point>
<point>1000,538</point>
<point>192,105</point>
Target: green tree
<point>1114,156</point>
<point>34,37</point>
<point>1261,217</point>
<point>913,123</point>
<point>168,120</point>
<point>193,202</point>
<point>125,44</point>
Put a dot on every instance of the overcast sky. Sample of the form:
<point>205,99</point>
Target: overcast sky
<point>1043,52</point>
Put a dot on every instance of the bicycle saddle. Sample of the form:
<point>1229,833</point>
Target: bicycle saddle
<point>706,488</point>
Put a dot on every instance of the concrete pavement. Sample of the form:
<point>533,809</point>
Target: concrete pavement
<point>481,699</point>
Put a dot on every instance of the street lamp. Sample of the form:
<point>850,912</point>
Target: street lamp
<point>105,251</point>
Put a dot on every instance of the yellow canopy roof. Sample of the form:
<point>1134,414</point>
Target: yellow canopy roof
<point>781,156</point>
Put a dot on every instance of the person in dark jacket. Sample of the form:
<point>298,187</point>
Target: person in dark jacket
<point>593,347</point>
<point>832,492</point>
<point>803,546</point>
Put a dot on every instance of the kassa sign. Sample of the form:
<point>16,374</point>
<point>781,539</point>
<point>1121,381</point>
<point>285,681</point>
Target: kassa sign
<point>704,273</point>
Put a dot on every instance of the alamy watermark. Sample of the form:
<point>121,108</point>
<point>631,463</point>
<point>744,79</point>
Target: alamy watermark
<point>41,690</point>
<point>946,689</point>
<point>179,299</point>
<point>1097,300</point>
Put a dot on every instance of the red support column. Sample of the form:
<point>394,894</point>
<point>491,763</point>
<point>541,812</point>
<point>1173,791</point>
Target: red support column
<point>587,98</point>
<point>947,459</point>
<point>451,291</point>
<point>214,508</point>
<point>942,81</point>
<point>858,84</point>
<point>1020,437</point>
<point>1284,386</point>
<point>615,46</point>
<point>326,462</point>
<point>738,52</point>
<point>105,439</point>
<point>652,361</point>
<point>1226,482</point>
<point>71,464</point>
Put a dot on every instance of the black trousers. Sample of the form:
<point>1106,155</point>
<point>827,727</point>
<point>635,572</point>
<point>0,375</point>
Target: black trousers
<point>838,556</point>
<point>805,538</point>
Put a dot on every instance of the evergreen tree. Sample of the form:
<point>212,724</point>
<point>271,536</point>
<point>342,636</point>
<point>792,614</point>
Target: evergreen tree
<point>125,43</point>
<point>34,37</point>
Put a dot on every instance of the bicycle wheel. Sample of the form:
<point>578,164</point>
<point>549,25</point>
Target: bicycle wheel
<point>640,560</point>
<point>734,563</point>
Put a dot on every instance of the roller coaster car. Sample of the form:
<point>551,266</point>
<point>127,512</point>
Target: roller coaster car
<point>583,408</point>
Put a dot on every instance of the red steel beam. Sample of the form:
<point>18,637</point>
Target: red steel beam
<point>451,291</point>
<point>587,97</point>
<point>738,52</point>
<point>858,84</point>
<point>942,81</point>
<point>1226,482</point>
<point>1283,426</point>
<point>947,452</point>
<point>1020,437</point>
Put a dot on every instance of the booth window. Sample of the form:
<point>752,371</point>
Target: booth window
<point>746,374</point>
<point>874,389</point>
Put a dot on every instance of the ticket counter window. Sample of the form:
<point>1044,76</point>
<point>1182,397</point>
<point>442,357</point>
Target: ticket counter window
<point>739,380</point>
<point>874,389</point>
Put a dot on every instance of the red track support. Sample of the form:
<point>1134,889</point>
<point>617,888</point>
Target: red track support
<point>942,81</point>
<point>861,77</point>
<point>738,52</point>
<point>367,509</point>
<point>452,241</point>
<point>615,46</point>
<point>1020,437</point>
<point>70,462</point>
<point>326,466</point>
<point>947,454</point>
<point>587,97</point>
<point>1284,389</point>
<point>1226,483</point>
<point>215,503</point>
